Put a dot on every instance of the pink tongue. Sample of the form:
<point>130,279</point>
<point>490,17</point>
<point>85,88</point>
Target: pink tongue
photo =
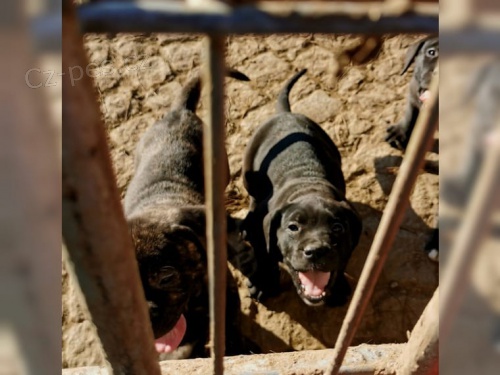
<point>314,282</point>
<point>425,96</point>
<point>170,341</point>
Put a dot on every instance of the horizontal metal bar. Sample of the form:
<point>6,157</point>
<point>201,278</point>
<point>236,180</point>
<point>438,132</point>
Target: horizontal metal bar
<point>360,360</point>
<point>342,18</point>
<point>392,217</point>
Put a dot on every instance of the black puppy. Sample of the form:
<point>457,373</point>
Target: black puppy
<point>298,212</point>
<point>164,207</point>
<point>425,54</point>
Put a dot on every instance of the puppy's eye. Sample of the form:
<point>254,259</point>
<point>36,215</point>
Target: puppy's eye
<point>432,52</point>
<point>165,280</point>
<point>293,227</point>
<point>338,228</point>
<point>166,276</point>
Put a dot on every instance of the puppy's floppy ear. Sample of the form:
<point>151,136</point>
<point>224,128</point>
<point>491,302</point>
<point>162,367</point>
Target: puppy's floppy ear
<point>271,224</point>
<point>185,232</point>
<point>355,223</point>
<point>412,53</point>
<point>152,239</point>
<point>258,184</point>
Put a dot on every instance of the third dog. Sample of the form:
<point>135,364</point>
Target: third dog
<point>425,55</point>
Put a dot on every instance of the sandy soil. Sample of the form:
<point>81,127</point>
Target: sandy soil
<point>138,77</point>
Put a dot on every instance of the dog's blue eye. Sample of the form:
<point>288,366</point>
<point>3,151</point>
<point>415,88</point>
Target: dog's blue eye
<point>293,227</point>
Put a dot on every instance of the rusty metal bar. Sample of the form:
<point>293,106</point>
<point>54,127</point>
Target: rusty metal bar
<point>360,360</point>
<point>272,17</point>
<point>477,219</point>
<point>392,217</point>
<point>214,145</point>
<point>94,228</point>
<point>421,353</point>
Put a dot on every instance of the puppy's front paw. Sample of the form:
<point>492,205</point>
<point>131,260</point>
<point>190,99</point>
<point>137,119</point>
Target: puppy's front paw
<point>254,292</point>
<point>432,246</point>
<point>263,285</point>
<point>340,292</point>
<point>396,136</point>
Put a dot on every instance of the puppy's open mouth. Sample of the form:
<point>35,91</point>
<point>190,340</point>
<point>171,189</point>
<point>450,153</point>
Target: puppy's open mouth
<point>313,286</point>
<point>171,340</point>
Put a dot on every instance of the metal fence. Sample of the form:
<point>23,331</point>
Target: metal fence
<point>94,228</point>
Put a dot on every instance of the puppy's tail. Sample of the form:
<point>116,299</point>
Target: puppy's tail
<point>190,95</point>
<point>283,104</point>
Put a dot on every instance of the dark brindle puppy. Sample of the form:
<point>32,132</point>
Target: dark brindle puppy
<point>298,213</point>
<point>425,54</point>
<point>164,207</point>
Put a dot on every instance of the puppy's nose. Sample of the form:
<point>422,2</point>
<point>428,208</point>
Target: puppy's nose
<point>314,252</point>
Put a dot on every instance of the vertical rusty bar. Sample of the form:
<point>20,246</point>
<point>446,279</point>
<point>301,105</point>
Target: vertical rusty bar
<point>94,227</point>
<point>392,217</point>
<point>215,184</point>
<point>421,353</point>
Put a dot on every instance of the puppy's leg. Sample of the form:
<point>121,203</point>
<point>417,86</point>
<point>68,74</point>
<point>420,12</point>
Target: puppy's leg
<point>235,342</point>
<point>263,281</point>
<point>432,246</point>
<point>398,135</point>
<point>340,292</point>
<point>240,252</point>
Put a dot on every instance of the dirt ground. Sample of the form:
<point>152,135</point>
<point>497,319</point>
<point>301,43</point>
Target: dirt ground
<point>139,76</point>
